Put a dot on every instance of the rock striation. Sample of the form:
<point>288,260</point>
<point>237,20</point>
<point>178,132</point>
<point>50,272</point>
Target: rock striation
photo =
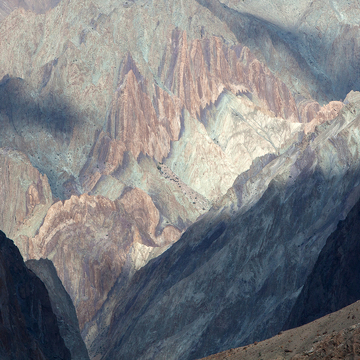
<point>62,307</point>
<point>124,108</point>
<point>28,327</point>
<point>91,240</point>
<point>234,275</point>
<point>39,7</point>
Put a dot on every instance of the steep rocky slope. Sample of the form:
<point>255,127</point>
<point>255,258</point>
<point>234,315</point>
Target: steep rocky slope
<point>312,45</point>
<point>39,7</point>
<point>62,307</point>
<point>234,276</point>
<point>125,108</point>
<point>335,336</point>
<point>101,110</point>
<point>28,326</point>
<point>133,90</point>
<point>334,281</point>
<point>26,196</point>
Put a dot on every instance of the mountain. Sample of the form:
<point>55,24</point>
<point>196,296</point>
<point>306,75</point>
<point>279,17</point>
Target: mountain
<point>156,129</point>
<point>126,126</point>
<point>29,328</point>
<point>235,274</point>
<point>62,307</point>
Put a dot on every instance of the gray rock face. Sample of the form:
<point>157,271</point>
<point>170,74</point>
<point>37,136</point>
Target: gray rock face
<point>335,280</point>
<point>62,307</point>
<point>234,276</point>
<point>28,327</point>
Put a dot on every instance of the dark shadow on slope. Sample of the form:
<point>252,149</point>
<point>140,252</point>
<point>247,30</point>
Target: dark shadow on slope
<point>27,112</point>
<point>28,327</point>
<point>40,123</point>
<point>335,280</point>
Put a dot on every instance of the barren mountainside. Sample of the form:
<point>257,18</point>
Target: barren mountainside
<point>181,163</point>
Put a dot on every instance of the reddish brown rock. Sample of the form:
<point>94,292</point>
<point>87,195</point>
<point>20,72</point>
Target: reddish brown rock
<point>325,113</point>
<point>91,239</point>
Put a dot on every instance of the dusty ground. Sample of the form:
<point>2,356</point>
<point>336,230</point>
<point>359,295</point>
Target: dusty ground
<point>335,336</point>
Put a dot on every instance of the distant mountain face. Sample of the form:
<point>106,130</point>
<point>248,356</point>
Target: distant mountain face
<point>29,328</point>
<point>125,122</point>
<point>234,276</point>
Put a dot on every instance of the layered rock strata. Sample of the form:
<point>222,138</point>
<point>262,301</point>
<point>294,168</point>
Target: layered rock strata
<point>39,7</point>
<point>234,276</point>
<point>117,103</point>
<point>91,240</point>
<point>133,102</point>
<point>26,197</point>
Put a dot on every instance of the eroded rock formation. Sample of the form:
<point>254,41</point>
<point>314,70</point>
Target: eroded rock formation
<point>234,275</point>
<point>26,197</point>
<point>91,240</point>
<point>140,115</point>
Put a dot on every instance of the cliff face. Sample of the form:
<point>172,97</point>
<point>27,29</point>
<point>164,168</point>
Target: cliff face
<point>334,280</point>
<point>62,307</point>
<point>131,89</point>
<point>29,328</point>
<point>234,276</point>
<point>311,44</point>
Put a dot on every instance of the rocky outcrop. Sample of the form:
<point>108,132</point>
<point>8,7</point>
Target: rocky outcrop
<point>91,240</point>
<point>28,326</point>
<point>334,281</point>
<point>234,275</point>
<point>62,307</point>
<point>134,101</point>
